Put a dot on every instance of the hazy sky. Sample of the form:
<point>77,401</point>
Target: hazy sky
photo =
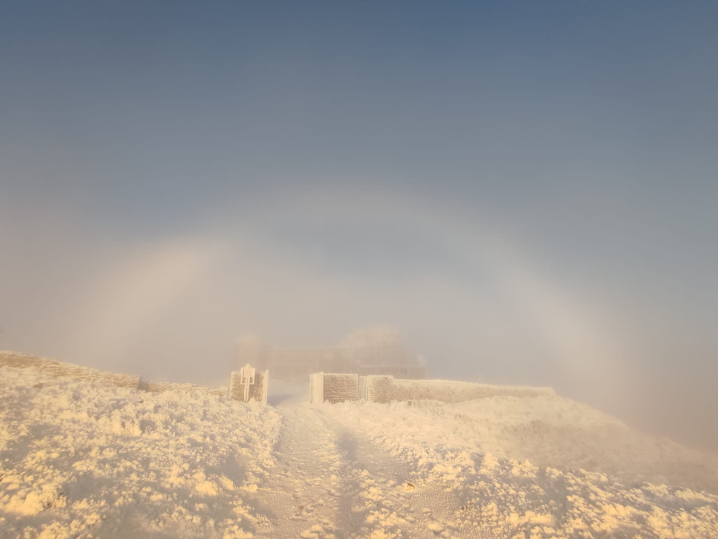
<point>529,191</point>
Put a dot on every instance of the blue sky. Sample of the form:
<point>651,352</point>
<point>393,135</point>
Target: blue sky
<point>527,190</point>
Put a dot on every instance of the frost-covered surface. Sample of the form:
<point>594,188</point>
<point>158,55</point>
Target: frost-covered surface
<point>53,367</point>
<point>453,391</point>
<point>79,459</point>
<point>160,387</point>
<point>542,467</point>
<point>84,460</point>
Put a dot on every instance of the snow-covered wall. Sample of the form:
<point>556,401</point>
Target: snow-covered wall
<point>376,388</point>
<point>257,391</point>
<point>58,368</point>
<point>331,387</point>
<point>388,388</point>
<point>385,388</point>
<point>316,387</point>
<point>452,391</point>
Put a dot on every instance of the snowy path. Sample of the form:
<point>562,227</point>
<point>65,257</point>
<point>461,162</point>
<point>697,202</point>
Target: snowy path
<point>332,482</point>
<point>301,489</point>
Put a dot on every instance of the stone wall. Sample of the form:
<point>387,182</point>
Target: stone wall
<point>337,387</point>
<point>380,388</point>
<point>68,370</point>
<point>257,391</point>
<point>261,382</point>
<point>376,388</point>
<point>451,391</point>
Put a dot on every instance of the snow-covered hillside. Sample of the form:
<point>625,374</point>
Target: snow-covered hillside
<point>543,467</point>
<point>78,459</point>
<point>84,460</point>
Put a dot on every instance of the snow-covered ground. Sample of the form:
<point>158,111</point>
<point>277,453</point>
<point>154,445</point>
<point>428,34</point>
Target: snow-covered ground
<point>82,460</point>
<point>542,467</point>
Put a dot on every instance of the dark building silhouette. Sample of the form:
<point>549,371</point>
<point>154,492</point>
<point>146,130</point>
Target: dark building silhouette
<point>363,352</point>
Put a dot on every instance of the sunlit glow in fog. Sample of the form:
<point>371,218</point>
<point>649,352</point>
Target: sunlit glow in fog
<point>158,308</point>
<point>528,195</point>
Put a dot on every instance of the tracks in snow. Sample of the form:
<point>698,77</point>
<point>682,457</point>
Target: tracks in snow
<point>331,482</point>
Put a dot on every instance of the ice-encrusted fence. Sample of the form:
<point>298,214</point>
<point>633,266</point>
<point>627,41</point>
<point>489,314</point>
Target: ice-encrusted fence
<point>385,388</point>
<point>68,370</point>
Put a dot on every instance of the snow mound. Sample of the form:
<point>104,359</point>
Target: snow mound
<point>79,459</point>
